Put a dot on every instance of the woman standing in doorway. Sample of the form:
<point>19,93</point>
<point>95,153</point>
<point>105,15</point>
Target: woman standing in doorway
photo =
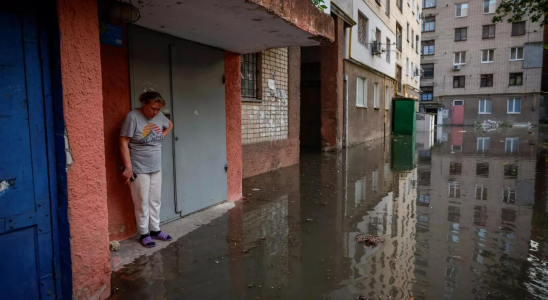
<point>141,140</point>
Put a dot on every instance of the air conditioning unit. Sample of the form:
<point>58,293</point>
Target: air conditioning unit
<point>456,68</point>
<point>376,48</point>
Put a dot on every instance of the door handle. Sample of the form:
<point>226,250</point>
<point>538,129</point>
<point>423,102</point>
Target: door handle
<point>176,138</point>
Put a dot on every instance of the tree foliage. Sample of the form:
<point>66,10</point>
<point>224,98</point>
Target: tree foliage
<point>319,4</point>
<point>515,10</point>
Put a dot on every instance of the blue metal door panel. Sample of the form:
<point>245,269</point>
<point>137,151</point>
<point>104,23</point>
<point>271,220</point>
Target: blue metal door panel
<point>27,259</point>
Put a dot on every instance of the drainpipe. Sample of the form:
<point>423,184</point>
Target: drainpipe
<point>345,109</point>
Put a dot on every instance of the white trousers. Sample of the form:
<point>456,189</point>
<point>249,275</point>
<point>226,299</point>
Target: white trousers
<point>146,191</point>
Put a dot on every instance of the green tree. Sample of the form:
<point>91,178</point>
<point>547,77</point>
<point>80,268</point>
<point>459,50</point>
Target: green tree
<point>515,10</point>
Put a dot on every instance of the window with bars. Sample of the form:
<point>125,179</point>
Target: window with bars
<point>488,32</point>
<point>249,75</point>
<point>362,29</point>
<point>518,28</point>
<point>516,78</point>
<point>486,80</point>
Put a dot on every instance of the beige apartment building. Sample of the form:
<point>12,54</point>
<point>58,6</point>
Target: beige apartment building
<point>473,70</point>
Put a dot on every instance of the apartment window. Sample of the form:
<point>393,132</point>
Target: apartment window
<point>412,41</point>
<point>361,92</point>
<point>489,6</point>
<point>428,3</point>
<point>360,190</point>
<point>408,32</point>
<point>511,145</point>
<point>427,93</point>
<point>513,106</point>
<point>461,10</point>
<point>428,71</point>
<point>486,80</point>
<point>518,28</point>
<point>510,171</point>
<point>399,4</point>
<point>428,24</point>
<point>516,78</point>
<point>417,43</point>
<point>408,2</point>
<point>454,189</point>
<point>484,107</point>
<point>387,8</point>
<point>482,169</point>
<point>481,192</point>
<point>483,144</point>
<point>407,66</point>
<point>399,78</point>
<point>459,58</point>
<point>399,36</point>
<point>412,5</point>
<point>376,95</point>
<point>412,70</point>
<point>516,53</point>
<point>455,168</point>
<point>428,47</point>
<point>362,29</point>
<point>248,67</point>
<point>388,47</point>
<point>417,15</point>
<point>509,195</point>
<point>424,200</point>
<point>487,56</point>
<point>416,73</point>
<point>488,32</point>
<point>378,2</point>
<point>386,101</point>
<point>461,34</point>
<point>458,81</point>
<point>508,215</point>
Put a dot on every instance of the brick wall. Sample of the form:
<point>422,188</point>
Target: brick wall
<point>267,120</point>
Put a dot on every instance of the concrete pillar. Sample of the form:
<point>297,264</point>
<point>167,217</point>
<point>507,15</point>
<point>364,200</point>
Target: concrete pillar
<point>233,107</point>
<point>332,90</point>
<point>86,177</point>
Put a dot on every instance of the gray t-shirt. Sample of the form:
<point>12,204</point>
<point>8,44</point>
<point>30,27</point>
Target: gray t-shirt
<point>145,146</point>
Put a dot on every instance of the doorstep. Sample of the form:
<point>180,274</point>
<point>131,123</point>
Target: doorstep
<point>131,249</point>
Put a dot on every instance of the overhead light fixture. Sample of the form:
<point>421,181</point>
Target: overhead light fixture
<point>124,11</point>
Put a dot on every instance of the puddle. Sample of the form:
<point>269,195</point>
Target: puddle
<point>462,214</point>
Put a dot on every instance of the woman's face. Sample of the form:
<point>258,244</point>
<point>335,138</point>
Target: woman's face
<point>152,109</point>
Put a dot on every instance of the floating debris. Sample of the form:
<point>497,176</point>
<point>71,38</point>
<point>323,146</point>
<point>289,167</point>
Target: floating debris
<point>370,240</point>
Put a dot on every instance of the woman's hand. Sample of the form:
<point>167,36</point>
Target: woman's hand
<point>128,174</point>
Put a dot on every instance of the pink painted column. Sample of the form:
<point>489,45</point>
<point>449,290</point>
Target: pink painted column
<point>86,179</point>
<point>233,108</point>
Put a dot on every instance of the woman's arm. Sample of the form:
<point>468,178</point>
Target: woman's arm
<point>168,129</point>
<point>124,151</point>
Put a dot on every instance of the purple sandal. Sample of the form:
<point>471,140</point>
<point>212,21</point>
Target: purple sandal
<point>147,242</point>
<point>162,236</point>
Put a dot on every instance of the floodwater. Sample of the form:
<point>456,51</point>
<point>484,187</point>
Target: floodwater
<point>462,212</point>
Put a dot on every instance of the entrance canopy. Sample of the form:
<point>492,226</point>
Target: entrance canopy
<point>241,26</point>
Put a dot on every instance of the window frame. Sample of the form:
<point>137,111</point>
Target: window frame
<point>366,33</point>
<point>489,26</point>
<point>515,79</point>
<point>518,34</point>
<point>363,82</point>
<point>485,101</point>
<point>256,93</point>
<point>425,6</point>
<point>456,9</point>
<point>460,80</point>
<point>428,20</point>
<point>489,56</point>
<point>387,97</point>
<point>517,52</point>
<point>489,12</point>
<point>376,95</point>
<point>460,29</point>
<point>388,50</point>
<point>511,141</point>
<point>399,39</point>
<point>483,143</point>
<point>513,112</point>
<point>399,4</point>
<point>430,92</point>
<point>424,72</point>
<point>431,44</point>
<point>487,80</point>
<point>460,58</point>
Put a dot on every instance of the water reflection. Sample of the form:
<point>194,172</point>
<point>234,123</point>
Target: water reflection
<point>463,215</point>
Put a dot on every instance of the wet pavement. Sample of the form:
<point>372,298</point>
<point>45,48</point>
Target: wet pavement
<point>462,212</point>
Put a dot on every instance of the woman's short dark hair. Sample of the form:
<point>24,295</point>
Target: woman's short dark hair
<point>146,97</point>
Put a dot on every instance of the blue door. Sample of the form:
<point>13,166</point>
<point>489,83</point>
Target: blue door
<point>28,263</point>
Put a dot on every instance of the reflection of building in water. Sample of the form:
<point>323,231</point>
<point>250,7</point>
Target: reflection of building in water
<point>379,203</point>
<point>473,215</point>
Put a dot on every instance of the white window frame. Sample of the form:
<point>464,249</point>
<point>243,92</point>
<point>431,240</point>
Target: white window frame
<point>482,141</point>
<point>490,58</point>
<point>376,95</point>
<point>387,97</point>
<point>513,111</point>
<point>481,188</point>
<point>490,6</point>
<point>517,51</point>
<point>363,82</point>
<point>461,10</point>
<point>460,58</point>
<point>512,141</point>
<point>484,112</point>
<point>453,186</point>
<point>508,191</point>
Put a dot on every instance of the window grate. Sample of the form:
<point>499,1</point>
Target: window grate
<point>249,75</point>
